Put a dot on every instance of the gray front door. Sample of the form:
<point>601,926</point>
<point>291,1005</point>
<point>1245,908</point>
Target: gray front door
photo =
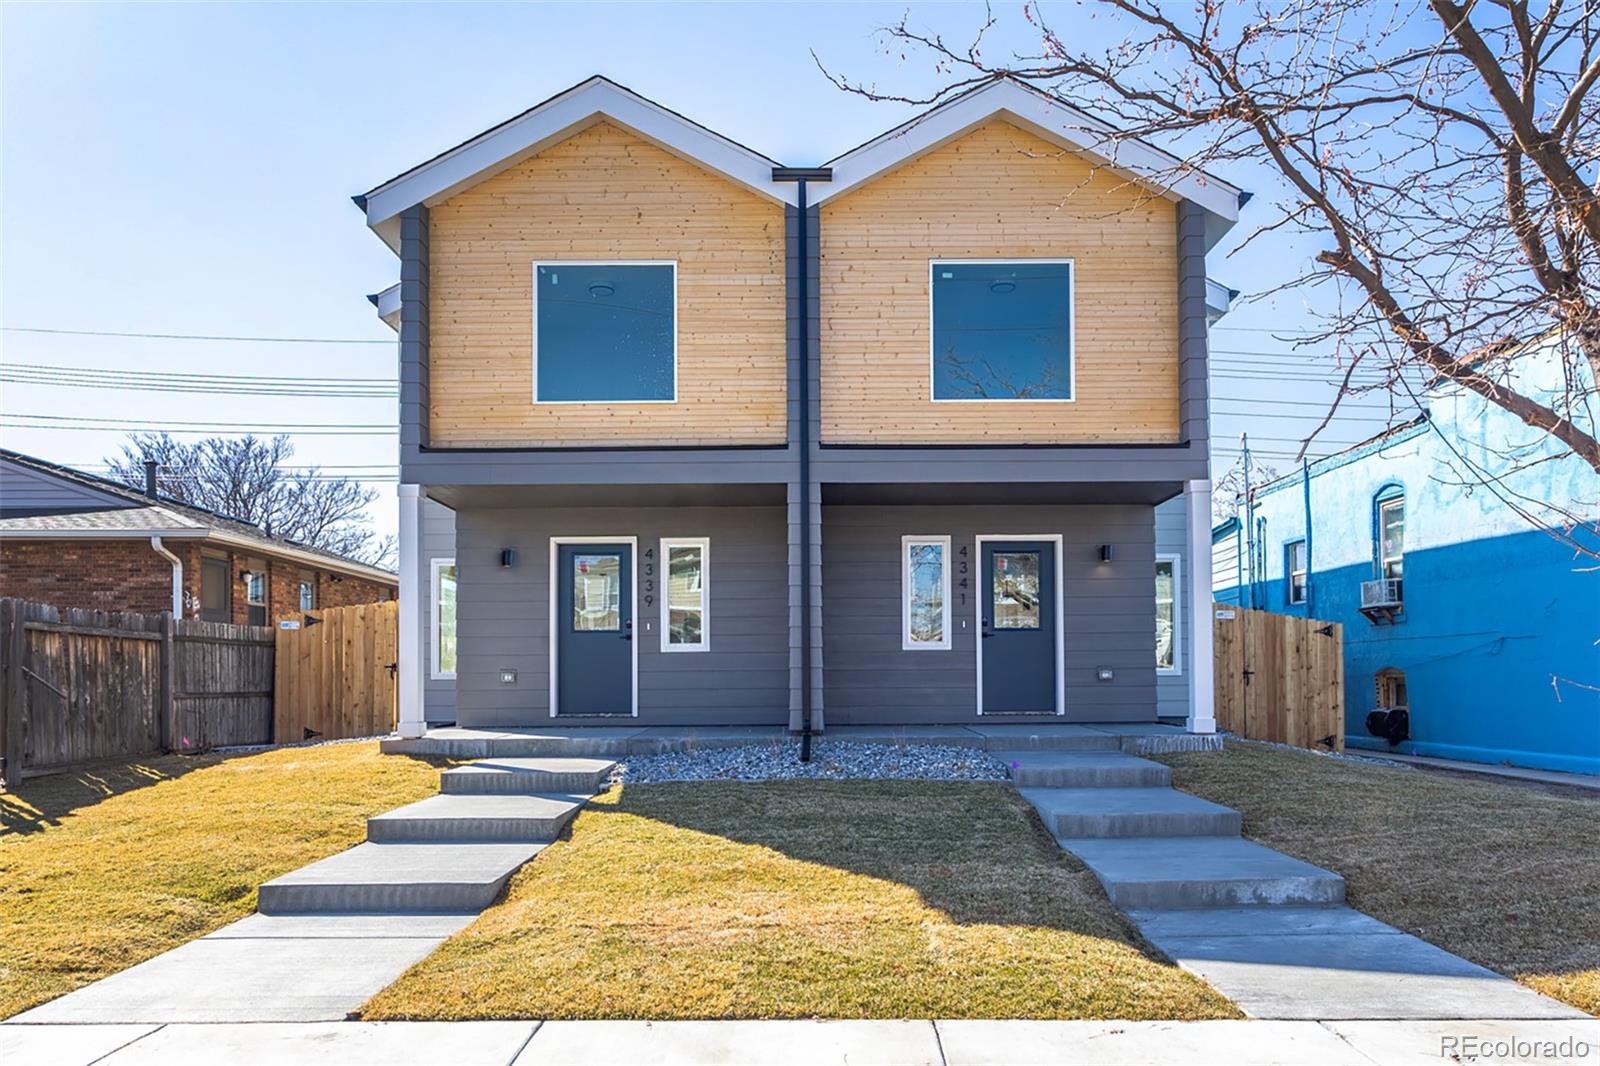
<point>1019,627</point>
<point>594,629</point>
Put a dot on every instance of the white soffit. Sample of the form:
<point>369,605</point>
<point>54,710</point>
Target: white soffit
<point>568,113</point>
<point>1057,122</point>
<point>388,304</point>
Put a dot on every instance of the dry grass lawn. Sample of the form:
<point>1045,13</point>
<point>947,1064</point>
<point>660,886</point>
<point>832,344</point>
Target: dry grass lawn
<point>101,870</point>
<point>1503,873</point>
<point>801,899</point>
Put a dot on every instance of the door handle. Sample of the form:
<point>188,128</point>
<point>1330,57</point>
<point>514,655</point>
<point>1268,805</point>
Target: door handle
<point>986,633</point>
<point>627,629</point>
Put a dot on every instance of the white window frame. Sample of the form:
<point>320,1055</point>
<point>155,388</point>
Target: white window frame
<point>665,561</point>
<point>434,567</point>
<point>306,581</point>
<point>256,573</point>
<point>1397,499</point>
<point>1176,669</point>
<point>1072,329</point>
<point>533,282</point>
<point>1290,572</point>
<point>906,544</point>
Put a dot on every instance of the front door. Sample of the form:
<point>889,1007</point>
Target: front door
<point>594,629</point>
<point>1018,632</point>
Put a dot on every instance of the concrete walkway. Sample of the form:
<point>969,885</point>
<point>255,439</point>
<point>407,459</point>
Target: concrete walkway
<point>1266,930</point>
<point>331,935</point>
<point>801,1043</point>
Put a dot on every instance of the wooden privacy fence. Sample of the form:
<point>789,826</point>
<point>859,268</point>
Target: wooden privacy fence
<point>80,686</point>
<point>1279,677</point>
<point>336,673</point>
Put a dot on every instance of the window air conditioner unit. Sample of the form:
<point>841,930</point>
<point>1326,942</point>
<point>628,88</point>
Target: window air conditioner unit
<point>1380,599</point>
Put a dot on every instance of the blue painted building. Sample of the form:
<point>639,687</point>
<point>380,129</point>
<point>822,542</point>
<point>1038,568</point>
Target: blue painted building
<point>1478,620</point>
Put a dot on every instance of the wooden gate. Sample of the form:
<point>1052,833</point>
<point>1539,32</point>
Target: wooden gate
<point>1279,677</point>
<point>336,673</point>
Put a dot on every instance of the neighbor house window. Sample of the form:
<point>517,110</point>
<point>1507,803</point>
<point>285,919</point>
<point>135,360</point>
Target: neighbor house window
<point>444,618</point>
<point>255,596</point>
<point>308,593</point>
<point>925,593</point>
<point>685,609</point>
<point>1392,537</point>
<point>1002,330</point>
<point>605,332</point>
<point>1168,620</point>
<point>1294,565</point>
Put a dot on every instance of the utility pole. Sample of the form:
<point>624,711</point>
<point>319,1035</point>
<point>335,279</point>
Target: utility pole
<point>1249,523</point>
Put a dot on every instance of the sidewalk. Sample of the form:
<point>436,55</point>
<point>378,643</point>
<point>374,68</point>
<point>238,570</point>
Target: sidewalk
<point>801,1043</point>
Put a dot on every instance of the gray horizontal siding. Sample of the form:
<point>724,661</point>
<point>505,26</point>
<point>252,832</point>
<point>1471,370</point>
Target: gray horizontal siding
<point>1108,610</point>
<point>505,622</point>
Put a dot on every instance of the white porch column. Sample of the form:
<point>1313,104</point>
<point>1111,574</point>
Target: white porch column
<point>413,606</point>
<point>1202,694</point>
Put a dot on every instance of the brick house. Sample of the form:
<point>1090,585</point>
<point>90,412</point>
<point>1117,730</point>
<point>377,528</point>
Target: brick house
<point>74,540</point>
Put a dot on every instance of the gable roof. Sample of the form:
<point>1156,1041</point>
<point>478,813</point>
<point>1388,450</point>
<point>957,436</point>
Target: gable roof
<point>594,100</point>
<point>599,99</point>
<point>112,509</point>
<point>1051,118</point>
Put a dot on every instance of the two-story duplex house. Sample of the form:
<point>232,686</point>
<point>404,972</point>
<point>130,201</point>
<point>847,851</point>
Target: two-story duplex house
<point>729,442</point>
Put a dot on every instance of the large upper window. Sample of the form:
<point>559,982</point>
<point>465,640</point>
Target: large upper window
<point>1002,330</point>
<point>605,332</point>
<point>925,593</point>
<point>685,610</point>
<point>1392,536</point>
<point>1167,616</point>
<point>444,618</point>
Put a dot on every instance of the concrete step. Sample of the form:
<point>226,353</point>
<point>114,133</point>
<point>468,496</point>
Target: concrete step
<point>589,742</point>
<point>1084,769</point>
<point>481,819</point>
<point>517,776</point>
<point>1177,872</point>
<point>1130,812</point>
<point>392,878</point>
<point>1046,736</point>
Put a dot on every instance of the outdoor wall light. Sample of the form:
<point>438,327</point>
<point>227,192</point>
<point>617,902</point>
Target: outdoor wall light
<point>1104,673</point>
<point>508,677</point>
<point>508,558</point>
<point>1106,553</point>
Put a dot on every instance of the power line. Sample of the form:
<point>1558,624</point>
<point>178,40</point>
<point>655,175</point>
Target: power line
<point>224,425</point>
<point>192,336</point>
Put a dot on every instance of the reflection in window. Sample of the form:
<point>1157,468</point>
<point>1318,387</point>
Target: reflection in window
<point>1294,564</point>
<point>1016,590</point>
<point>927,593</point>
<point>308,593</point>
<point>605,333</point>
<point>1392,537</point>
<point>686,596</point>
<point>596,593</point>
<point>1002,331</point>
<point>1167,614</point>
<point>444,618</point>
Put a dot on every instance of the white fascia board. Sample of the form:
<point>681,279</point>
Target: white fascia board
<point>1057,122</point>
<point>388,304</point>
<point>554,121</point>
<point>1219,300</point>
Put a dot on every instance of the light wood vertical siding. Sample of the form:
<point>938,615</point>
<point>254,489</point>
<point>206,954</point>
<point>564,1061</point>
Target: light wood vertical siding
<point>998,192</point>
<point>606,194</point>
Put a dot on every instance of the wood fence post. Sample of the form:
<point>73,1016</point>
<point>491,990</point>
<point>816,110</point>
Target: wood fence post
<point>166,707</point>
<point>10,694</point>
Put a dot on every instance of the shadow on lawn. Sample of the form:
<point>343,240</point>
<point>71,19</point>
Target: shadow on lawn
<point>974,850</point>
<point>43,801</point>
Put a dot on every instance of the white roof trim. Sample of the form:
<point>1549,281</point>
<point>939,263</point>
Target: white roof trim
<point>555,120</point>
<point>1219,300</point>
<point>388,304</point>
<point>1040,113</point>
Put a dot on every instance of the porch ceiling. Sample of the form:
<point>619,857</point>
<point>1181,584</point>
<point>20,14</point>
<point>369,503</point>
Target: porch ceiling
<point>970,492</point>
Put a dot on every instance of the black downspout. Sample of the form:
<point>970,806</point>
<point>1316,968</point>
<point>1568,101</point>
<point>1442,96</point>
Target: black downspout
<point>800,175</point>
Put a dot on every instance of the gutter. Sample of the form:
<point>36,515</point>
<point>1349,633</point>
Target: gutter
<point>801,175</point>
<point>177,575</point>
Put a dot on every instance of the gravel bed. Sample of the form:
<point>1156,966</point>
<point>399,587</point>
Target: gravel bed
<point>830,760</point>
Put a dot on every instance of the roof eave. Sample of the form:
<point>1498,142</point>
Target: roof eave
<point>233,540</point>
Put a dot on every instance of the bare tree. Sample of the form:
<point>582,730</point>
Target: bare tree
<point>1444,153</point>
<point>247,478</point>
<point>1228,491</point>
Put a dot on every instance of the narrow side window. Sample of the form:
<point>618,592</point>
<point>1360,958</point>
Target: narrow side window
<point>686,607</point>
<point>1294,566</point>
<point>1169,619</point>
<point>925,593</point>
<point>443,590</point>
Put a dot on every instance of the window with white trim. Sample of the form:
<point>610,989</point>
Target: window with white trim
<point>1392,537</point>
<point>1169,616</point>
<point>1294,566</point>
<point>308,592</point>
<point>605,332</point>
<point>1002,330</point>
<point>443,595</point>
<point>686,607</point>
<point>925,593</point>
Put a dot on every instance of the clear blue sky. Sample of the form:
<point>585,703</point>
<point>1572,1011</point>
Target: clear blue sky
<point>188,168</point>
